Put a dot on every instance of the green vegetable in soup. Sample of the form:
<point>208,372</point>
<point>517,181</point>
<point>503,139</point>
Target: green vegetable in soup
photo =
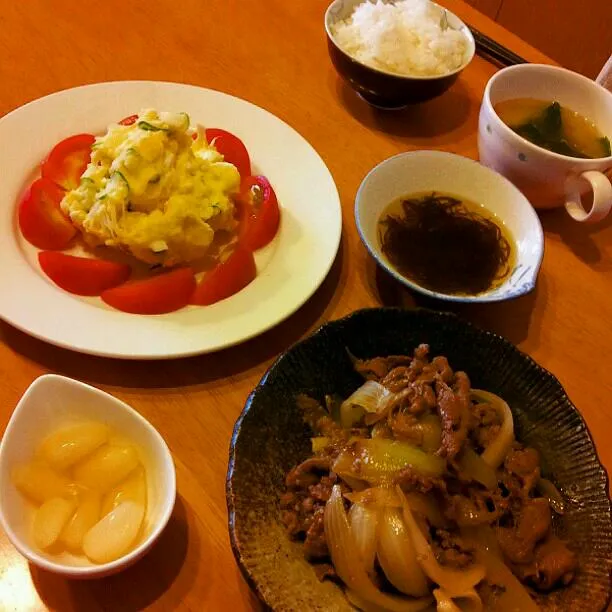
<point>547,130</point>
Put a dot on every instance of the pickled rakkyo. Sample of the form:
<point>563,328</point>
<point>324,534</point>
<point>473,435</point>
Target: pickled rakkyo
<point>133,488</point>
<point>86,516</point>
<point>40,482</point>
<point>90,490</point>
<point>114,535</point>
<point>107,467</point>
<point>67,446</point>
<point>50,519</point>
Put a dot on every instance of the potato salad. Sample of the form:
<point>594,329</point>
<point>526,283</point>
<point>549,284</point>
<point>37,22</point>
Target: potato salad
<point>156,188</point>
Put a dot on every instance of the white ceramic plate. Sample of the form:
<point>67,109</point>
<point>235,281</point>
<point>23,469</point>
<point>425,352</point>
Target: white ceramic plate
<point>289,270</point>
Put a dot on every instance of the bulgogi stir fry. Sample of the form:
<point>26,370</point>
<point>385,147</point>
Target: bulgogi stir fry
<point>417,494</point>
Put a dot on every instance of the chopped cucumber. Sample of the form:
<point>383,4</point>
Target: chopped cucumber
<point>120,178</point>
<point>149,127</point>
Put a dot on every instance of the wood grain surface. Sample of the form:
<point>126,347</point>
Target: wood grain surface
<point>272,53</point>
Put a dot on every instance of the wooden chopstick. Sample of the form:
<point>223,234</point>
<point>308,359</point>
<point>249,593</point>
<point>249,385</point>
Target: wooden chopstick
<point>492,49</point>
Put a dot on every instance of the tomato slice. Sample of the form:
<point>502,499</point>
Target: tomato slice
<point>68,160</point>
<point>129,120</point>
<point>259,214</point>
<point>81,275</point>
<point>229,277</point>
<point>41,219</point>
<point>232,149</point>
<point>158,295</point>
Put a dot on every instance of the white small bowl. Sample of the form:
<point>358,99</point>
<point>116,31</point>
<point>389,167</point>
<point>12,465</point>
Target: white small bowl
<point>423,171</point>
<point>50,402</point>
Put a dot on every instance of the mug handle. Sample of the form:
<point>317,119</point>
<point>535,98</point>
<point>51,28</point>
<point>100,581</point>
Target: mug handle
<point>602,196</point>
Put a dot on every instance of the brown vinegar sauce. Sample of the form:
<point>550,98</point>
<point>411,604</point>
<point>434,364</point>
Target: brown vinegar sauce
<point>445,243</point>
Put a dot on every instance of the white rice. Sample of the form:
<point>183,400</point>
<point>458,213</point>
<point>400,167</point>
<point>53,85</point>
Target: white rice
<point>407,37</point>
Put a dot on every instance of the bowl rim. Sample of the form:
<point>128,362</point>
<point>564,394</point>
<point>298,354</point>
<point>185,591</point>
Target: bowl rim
<point>464,29</point>
<point>247,572</point>
<point>511,134</point>
<point>168,500</point>
<point>485,297</point>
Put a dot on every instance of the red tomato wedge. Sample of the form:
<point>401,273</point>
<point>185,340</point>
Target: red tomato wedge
<point>232,149</point>
<point>158,295</point>
<point>227,278</point>
<point>68,160</point>
<point>81,275</point>
<point>41,219</point>
<point>259,215</point>
<point>128,120</point>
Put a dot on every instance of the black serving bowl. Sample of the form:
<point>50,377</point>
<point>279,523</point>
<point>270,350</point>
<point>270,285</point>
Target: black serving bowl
<point>382,89</point>
<point>270,438</point>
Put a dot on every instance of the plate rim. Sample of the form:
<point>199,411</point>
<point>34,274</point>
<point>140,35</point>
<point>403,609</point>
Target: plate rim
<point>229,489</point>
<point>287,307</point>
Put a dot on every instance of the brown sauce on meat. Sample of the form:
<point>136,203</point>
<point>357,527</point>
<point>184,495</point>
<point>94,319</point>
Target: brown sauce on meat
<point>446,244</point>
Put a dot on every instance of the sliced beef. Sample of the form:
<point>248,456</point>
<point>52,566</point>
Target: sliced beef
<point>291,521</point>
<point>321,491</point>
<point>309,487</point>
<point>443,369</point>
<point>450,550</point>
<point>396,372</point>
<point>324,570</point>
<point>407,427</point>
<point>486,425</point>
<point>410,480</point>
<point>378,367</point>
<point>554,563</point>
<point>308,472</point>
<point>518,542</point>
<point>478,505</point>
<point>315,545</point>
<point>454,411</point>
<point>522,471</point>
<point>397,379</point>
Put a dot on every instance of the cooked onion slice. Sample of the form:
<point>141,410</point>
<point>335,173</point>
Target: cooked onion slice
<point>495,453</point>
<point>370,397</point>
<point>515,597</point>
<point>381,459</point>
<point>319,444</point>
<point>487,552</point>
<point>452,581</point>
<point>350,567</point>
<point>397,556</point>
<point>473,465</point>
<point>364,523</point>
<point>343,467</point>
<point>552,494</point>
<point>427,506</point>
<point>469,601</point>
<point>466,514</point>
<point>381,497</point>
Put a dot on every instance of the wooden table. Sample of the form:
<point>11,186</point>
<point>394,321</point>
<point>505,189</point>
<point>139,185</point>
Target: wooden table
<point>274,54</point>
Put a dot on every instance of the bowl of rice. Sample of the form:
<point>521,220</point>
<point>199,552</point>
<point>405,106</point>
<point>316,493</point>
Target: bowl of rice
<point>394,54</point>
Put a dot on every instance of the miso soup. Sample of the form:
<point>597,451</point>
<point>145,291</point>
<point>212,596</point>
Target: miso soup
<point>554,127</point>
